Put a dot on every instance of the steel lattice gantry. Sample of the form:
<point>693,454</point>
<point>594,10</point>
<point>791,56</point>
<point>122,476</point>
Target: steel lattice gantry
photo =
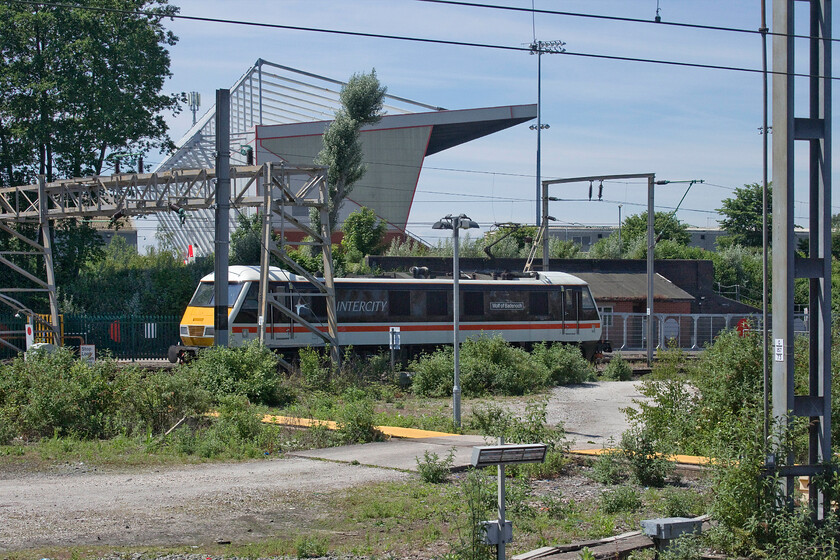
<point>134,194</point>
<point>815,129</point>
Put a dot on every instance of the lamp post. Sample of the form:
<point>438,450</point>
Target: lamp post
<point>539,48</point>
<point>455,223</point>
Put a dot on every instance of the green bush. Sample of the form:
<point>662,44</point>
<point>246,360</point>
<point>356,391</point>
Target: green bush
<point>433,469</point>
<point>565,363</point>
<point>356,422</point>
<point>53,394</point>
<point>618,369</point>
<point>610,467</point>
<point>620,499</point>
<point>682,503</point>
<point>495,421</point>
<point>489,365</point>
<point>153,402</point>
<point>647,465</point>
<point>250,371</point>
<point>312,370</point>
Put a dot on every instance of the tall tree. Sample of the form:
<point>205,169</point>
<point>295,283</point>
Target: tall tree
<point>361,104</point>
<point>743,215</point>
<point>665,226</point>
<point>80,83</point>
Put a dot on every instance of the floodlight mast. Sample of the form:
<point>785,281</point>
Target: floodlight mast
<point>455,223</point>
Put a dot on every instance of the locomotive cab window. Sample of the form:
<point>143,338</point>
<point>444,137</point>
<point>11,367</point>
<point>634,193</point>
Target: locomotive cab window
<point>588,309</point>
<point>474,303</point>
<point>248,311</point>
<point>205,295</point>
<point>399,303</point>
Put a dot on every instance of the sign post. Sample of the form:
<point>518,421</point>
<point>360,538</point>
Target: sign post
<point>394,343</point>
<point>30,334</point>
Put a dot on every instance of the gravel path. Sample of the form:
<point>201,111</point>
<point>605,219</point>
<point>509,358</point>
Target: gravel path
<point>238,502</point>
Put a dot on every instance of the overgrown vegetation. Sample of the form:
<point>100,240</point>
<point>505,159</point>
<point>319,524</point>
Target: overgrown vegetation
<point>490,365</point>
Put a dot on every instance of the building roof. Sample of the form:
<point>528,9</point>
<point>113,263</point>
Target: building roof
<point>631,286</point>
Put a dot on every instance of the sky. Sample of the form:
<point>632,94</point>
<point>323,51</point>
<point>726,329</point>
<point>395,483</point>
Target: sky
<point>605,116</point>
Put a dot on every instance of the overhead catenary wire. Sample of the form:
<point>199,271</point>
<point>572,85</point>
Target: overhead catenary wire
<point>528,49</point>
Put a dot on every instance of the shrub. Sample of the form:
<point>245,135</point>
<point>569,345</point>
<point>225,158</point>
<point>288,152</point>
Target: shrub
<point>154,402</point>
<point>681,503</point>
<point>565,363</point>
<point>433,469</point>
<point>355,421</point>
<point>647,465</point>
<point>609,467</point>
<point>433,373</point>
<point>57,395</point>
<point>618,369</point>
<point>314,374</point>
<point>495,421</point>
<point>620,499</point>
<point>250,371</point>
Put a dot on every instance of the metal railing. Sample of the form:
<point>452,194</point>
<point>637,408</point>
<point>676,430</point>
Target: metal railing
<point>628,331</point>
<point>126,337</point>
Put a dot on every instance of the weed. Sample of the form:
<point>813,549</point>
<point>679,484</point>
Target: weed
<point>355,421</point>
<point>477,495</point>
<point>314,374</point>
<point>433,469</point>
<point>618,369</point>
<point>609,467</point>
<point>565,363</point>
<point>647,465</point>
<point>620,499</point>
<point>681,503</point>
<point>495,421</point>
<point>310,547</point>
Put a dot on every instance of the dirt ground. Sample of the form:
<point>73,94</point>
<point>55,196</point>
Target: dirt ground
<point>198,504</point>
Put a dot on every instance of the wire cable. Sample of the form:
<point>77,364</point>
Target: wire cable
<point>413,39</point>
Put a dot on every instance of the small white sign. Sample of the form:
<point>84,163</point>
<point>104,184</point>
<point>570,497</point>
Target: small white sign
<point>30,335</point>
<point>779,349</point>
<point>394,335</point>
<point>87,352</point>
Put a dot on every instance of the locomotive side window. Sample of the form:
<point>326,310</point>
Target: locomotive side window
<point>474,303</point>
<point>248,311</point>
<point>399,303</point>
<point>436,304</point>
<point>588,310</point>
<point>538,303</point>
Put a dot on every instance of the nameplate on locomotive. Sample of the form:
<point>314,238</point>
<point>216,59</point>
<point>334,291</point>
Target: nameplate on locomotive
<point>507,305</point>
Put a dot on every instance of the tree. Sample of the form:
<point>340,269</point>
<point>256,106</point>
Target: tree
<point>364,233</point>
<point>743,215</point>
<point>80,84</point>
<point>665,226</point>
<point>246,240</point>
<point>361,104</point>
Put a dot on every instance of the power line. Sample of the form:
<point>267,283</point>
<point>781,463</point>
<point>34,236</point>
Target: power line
<point>615,18</point>
<point>527,49</point>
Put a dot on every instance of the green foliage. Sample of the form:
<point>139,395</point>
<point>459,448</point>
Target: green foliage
<point>433,469</point>
<point>315,374</point>
<point>363,234</point>
<point>560,249</point>
<point>406,248</point>
<point>620,500</point>
<point>565,363</point>
<point>310,546</point>
<point>361,103</point>
<point>495,421</point>
<point>743,216</point>
<point>665,227</point>
<point>476,493</point>
<point>680,503</point>
<point>250,371</point>
<point>246,240</point>
<point>647,465</point>
<point>356,422</point>
<point>125,282</point>
<point>57,395</point>
<point>618,369</point>
<point>61,113</point>
<point>609,467</point>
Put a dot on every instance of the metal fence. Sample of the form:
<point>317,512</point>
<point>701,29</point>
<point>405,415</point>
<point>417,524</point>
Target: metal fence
<point>628,331</point>
<point>127,337</point>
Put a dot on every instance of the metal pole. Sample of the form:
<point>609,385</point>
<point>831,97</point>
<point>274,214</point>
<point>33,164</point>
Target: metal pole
<point>456,388</point>
<point>545,239</point>
<point>764,240</point>
<point>783,204</point>
<point>46,240</point>
<point>539,125</point>
<point>500,549</point>
<point>620,252</point>
<point>222,243</point>
<point>266,311</point>
<point>651,245</point>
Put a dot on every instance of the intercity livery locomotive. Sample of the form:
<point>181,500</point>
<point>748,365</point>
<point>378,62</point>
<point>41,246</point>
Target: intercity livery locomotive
<point>542,307</point>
